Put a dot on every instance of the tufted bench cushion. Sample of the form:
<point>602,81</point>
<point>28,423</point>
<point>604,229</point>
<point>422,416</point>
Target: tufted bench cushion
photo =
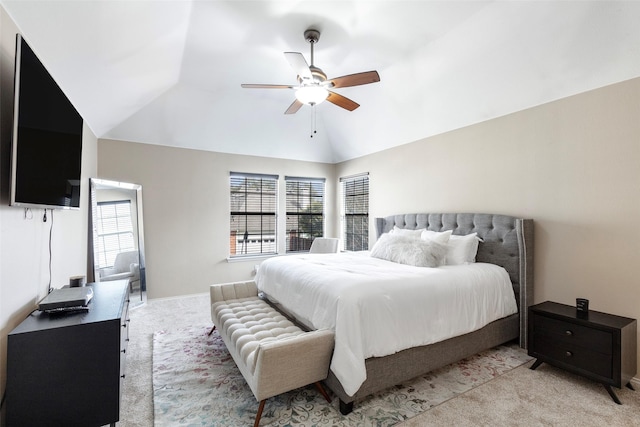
<point>249,322</point>
<point>273,354</point>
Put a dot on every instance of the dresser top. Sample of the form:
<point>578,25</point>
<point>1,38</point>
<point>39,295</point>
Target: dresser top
<point>106,304</point>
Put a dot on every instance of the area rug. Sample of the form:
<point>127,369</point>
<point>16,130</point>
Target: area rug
<point>196,383</point>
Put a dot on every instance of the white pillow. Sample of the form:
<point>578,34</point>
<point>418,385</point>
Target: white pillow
<point>441,237</point>
<point>406,232</point>
<point>462,249</point>
<point>409,250</point>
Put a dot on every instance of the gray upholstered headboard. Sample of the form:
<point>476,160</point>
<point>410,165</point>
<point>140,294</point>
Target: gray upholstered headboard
<point>507,242</point>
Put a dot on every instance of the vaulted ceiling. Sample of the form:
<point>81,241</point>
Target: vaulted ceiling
<point>169,72</point>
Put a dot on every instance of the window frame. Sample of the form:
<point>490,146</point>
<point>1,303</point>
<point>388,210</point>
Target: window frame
<point>267,197</point>
<point>355,212</point>
<point>302,204</point>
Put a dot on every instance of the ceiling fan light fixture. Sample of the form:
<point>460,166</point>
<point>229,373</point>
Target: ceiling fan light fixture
<point>312,95</point>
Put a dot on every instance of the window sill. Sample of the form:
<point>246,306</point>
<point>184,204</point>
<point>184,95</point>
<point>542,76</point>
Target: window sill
<point>249,258</point>
<point>262,257</point>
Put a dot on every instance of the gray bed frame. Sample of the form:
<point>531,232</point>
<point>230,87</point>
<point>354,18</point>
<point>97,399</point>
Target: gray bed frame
<point>508,242</point>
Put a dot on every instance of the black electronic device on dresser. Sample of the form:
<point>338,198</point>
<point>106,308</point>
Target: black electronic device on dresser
<point>596,345</point>
<point>67,369</point>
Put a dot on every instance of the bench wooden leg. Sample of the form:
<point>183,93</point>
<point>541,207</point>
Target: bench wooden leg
<point>322,391</point>
<point>212,329</point>
<point>259,414</point>
<point>263,401</point>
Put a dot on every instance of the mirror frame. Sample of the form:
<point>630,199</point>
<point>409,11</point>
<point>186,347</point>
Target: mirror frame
<point>93,274</point>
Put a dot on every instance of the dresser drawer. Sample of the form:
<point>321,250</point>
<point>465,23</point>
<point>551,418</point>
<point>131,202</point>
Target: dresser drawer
<point>573,354</point>
<point>123,364</point>
<point>124,323</point>
<point>571,333</point>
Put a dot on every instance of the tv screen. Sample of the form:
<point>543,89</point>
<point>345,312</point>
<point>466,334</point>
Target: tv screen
<point>47,138</point>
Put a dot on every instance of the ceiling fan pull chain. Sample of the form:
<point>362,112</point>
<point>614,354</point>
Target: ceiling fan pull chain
<point>313,120</point>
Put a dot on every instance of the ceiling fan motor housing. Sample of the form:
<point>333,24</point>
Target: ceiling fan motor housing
<point>312,35</point>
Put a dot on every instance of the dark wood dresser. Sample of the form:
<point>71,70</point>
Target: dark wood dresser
<point>597,345</point>
<point>67,369</point>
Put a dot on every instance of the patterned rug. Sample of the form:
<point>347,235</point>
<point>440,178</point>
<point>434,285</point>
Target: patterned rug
<point>196,383</point>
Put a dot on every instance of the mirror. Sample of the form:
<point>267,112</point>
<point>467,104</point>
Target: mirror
<point>116,248</point>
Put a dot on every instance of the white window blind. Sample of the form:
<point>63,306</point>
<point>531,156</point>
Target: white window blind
<point>253,211</point>
<point>305,212</point>
<point>355,212</point>
<point>115,231</point>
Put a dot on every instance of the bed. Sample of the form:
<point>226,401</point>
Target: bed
<point>506,242</point>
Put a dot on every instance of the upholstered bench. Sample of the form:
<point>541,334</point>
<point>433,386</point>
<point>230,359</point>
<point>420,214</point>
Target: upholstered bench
<point>273,354</point>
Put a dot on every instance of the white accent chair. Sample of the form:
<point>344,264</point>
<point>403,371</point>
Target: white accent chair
<point>324,245</point>
<point>125,266</point>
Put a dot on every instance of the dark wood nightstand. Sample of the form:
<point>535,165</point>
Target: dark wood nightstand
<point>596,345</point>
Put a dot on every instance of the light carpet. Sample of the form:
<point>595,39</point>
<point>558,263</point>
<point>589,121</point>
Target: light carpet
<point>196,383</point>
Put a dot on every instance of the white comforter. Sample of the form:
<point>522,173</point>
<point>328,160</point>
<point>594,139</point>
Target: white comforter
<point>377,307</point>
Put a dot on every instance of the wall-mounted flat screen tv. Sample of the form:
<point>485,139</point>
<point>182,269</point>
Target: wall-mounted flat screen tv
<point>47,138</point>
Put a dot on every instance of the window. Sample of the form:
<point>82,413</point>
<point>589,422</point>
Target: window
<point>305,212</point>
<point>254,201</point>
<point>115,231</point>
<point>355,212</point>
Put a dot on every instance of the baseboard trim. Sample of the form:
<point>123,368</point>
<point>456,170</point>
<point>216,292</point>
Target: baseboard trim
<point>635,382</point>
<point>178,297</point>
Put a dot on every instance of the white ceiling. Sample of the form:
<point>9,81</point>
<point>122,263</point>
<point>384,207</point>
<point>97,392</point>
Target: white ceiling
<point>169,72</point>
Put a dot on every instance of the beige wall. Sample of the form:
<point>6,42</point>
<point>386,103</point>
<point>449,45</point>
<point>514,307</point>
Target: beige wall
<point>572,165</point>
<point>24,241</point>
<point>185,197</point>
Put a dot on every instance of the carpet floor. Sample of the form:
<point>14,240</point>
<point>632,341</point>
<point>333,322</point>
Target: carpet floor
<point>196,383</point>
<point>545,397</point>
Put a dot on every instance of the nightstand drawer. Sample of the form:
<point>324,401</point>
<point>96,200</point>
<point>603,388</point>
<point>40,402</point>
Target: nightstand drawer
<point>571,333</point>
<point>595,362</point>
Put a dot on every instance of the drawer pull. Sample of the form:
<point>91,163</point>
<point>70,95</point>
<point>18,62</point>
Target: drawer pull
<point>124,350</point>
<point>122,376</point>
<point>568,354</point>
<point>568,333</point>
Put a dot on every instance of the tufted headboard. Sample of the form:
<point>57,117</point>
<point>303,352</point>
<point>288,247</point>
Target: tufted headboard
<point>507,242</point>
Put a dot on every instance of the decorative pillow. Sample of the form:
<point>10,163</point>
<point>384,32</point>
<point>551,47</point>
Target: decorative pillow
<point>462,249</point>
<point>406,232</point>
<point>409,250</point>
<point>441,237</point>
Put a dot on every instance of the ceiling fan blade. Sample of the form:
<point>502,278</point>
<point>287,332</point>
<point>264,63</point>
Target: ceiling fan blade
<point>355,79</point>
<point>294,107</point>
<point>258,86</point>
<point>342,101</point>
<point>299,64</point>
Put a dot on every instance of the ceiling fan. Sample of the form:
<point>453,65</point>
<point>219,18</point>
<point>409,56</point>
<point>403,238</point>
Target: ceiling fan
<point>314,87</point>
